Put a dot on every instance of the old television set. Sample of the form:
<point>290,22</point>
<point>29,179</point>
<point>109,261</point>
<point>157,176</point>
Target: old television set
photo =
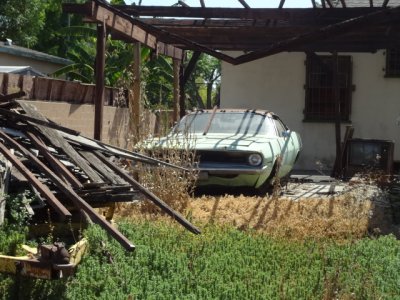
<point>368,155</point>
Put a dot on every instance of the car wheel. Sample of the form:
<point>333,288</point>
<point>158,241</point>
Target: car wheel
<point>268,186</point>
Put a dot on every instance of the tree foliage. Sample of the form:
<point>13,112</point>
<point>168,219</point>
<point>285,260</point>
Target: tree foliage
<point>202,88</point>
<point>22,20</point>
<point>51,39</point>
<point>41,25</point>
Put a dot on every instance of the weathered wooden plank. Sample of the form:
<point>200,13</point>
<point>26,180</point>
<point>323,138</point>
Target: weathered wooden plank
<point>100,83</point>
<point>103,169</point>
<point>319,34</point>
<point>104,13</point>
<point>57,140</point>
<point>43,189</point>
<point>14,84</point>
<point>12,96</point>
<point>117,151</point>
<point>149,195</point>
<point>41,88</point>
<point>55,163</point>
<point>43,123</point>
<point>73,196</point>
<point>244,3</point>
<point>176,66</point>
<point>123,25</point>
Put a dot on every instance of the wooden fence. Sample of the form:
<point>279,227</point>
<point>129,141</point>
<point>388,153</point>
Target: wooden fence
<point>49,89</point>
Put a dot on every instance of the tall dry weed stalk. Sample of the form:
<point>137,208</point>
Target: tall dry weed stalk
<point>172,185</point>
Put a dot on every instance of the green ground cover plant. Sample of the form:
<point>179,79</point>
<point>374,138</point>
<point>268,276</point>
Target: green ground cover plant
<point>221,263</point>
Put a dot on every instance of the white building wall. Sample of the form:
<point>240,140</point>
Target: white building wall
<point>276,83</point>
<point>42,66</point>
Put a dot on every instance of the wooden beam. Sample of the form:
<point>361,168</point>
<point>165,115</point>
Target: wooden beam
<point>314,5</point>
<point>183,3</point>
<point>29,119</point>
<point>317,35</point>
<point>65,189</point>
<point>53,162</point>
<point>243,2</point>
<point>157,201</point>
<point>43,189</point>
<point>9,97</point>
<point>338,117</point>
<point>385,3</point>
<point>281,3</point>
<point>202,3</point>
<point>135,104</point>
<point>329,3</point>
<point>182,92</point>
<point>58,141</point>
<point>176,68</point>
<point>201,12</point>
<point>343,2</point>
<point>102,12</point>
<point>100,85</point>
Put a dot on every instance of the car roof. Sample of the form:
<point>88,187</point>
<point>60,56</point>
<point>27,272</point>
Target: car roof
<point>239,110</point>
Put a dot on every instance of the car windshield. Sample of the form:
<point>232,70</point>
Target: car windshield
<point>245,123</point>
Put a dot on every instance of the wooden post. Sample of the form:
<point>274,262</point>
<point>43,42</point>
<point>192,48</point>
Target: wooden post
<point>182,94</point>
<point>336,97</point>
<point>135,97</point>
<point>176,67</point>
<point>100,66</point>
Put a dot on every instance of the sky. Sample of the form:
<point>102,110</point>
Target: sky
<point>228,3</point>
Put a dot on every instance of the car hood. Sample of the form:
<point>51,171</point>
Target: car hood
<point>212,141</point>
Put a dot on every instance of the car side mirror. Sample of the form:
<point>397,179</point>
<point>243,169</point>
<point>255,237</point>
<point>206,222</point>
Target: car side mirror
<point>286,133</point>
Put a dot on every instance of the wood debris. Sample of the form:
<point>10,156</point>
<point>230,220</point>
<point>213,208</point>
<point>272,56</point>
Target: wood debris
<point>72,174</point>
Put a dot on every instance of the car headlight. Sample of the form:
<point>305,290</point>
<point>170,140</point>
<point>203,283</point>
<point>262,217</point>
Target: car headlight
<point>255,159</point>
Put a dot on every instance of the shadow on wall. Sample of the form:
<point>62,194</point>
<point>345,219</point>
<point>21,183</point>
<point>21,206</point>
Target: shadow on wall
<point>152,123</point>
<point>119,128</point>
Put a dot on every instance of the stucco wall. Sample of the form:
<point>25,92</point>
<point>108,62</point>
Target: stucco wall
<point>277,83</point>
<point>80,117</point>
<point>42,66</point>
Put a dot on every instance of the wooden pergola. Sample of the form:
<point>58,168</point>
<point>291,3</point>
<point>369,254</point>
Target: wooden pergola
<point>329,26</point>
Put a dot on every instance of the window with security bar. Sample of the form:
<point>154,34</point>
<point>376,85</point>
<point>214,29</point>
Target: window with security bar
<point>320,93</point>
<point>392,63</point>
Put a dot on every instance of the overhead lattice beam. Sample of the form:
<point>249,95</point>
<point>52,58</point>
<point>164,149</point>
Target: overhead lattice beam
<point>320,34</point>
<point>100,12</point>
<point>245,5</point>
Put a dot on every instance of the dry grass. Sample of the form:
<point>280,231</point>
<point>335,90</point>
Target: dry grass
<point>341,217</point>
<point>171,185</point>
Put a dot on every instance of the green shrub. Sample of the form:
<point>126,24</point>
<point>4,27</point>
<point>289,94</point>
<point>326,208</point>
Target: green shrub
<point>225,263</point>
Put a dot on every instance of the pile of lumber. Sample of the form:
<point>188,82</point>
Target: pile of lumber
<point>71,173</point>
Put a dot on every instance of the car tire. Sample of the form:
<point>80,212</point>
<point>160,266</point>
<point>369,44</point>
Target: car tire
<point>268,186</point>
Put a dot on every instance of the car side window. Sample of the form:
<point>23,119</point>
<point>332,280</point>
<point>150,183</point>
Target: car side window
<point>279,126</point>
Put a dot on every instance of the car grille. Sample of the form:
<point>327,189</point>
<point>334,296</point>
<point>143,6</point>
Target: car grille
<point>226,157</point>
